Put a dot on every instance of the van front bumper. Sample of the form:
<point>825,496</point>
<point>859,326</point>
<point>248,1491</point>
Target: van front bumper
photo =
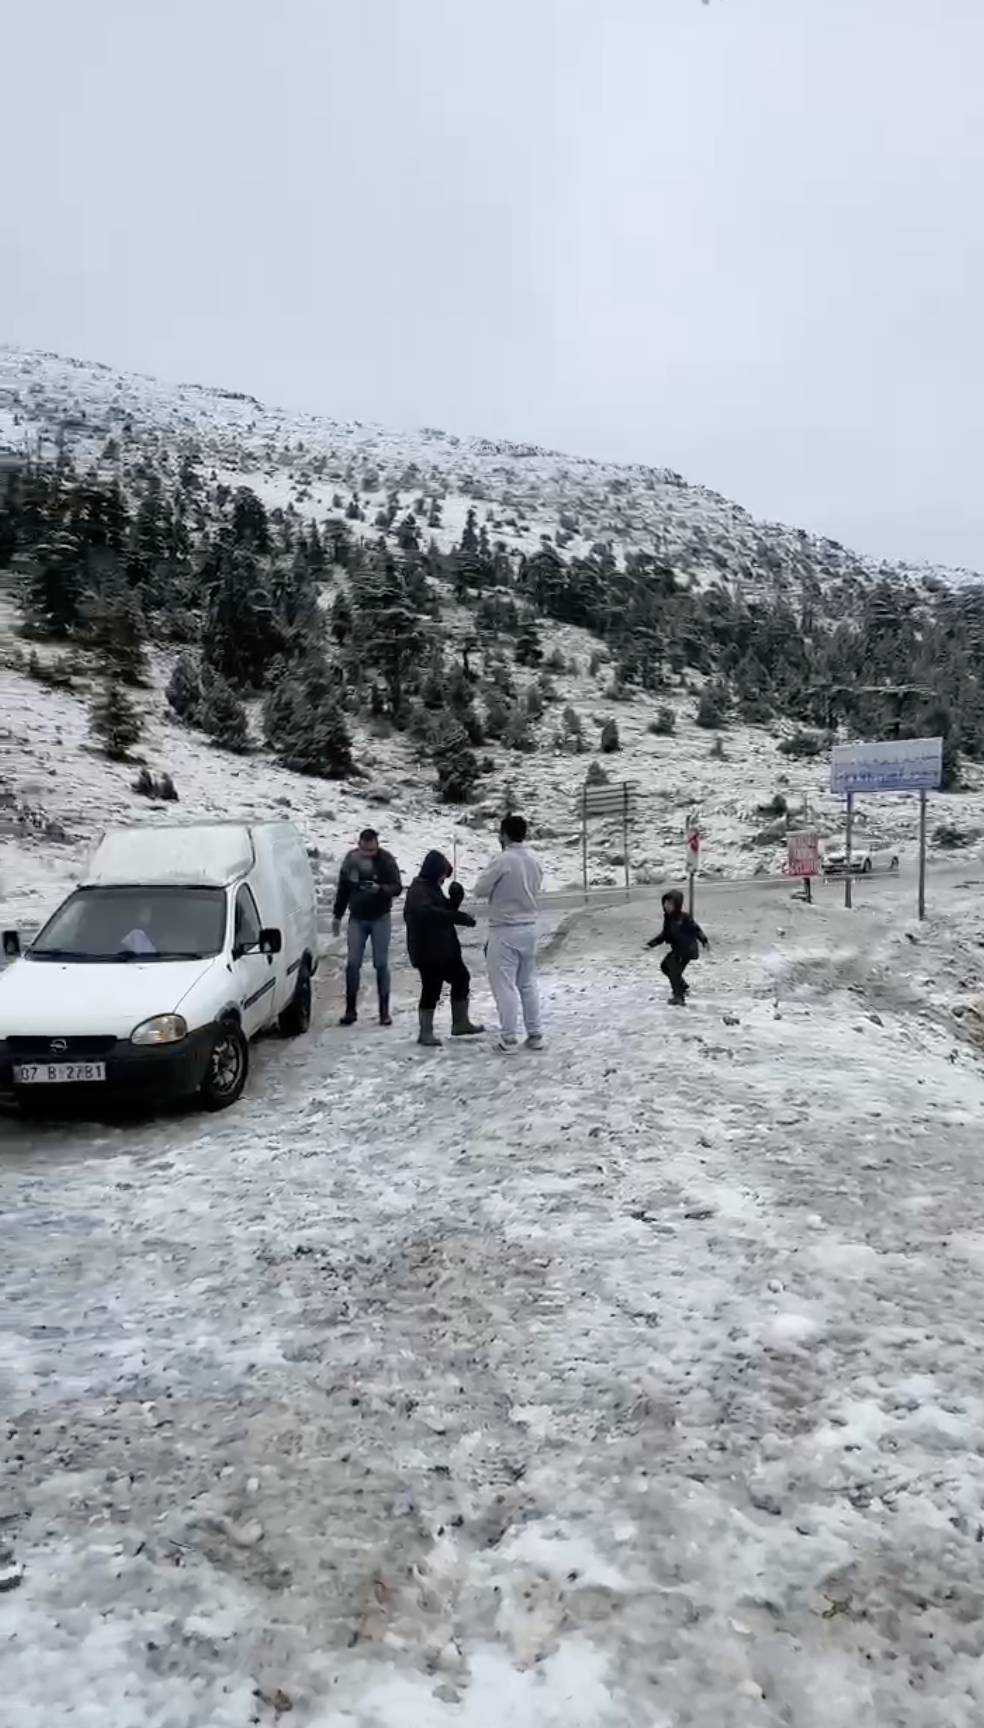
<point>151,1073</point>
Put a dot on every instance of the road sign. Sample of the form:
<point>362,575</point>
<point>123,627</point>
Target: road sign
<point>895,765</point>
<point>804,852</point>
<point>693,850</point>
<point>608,800</point>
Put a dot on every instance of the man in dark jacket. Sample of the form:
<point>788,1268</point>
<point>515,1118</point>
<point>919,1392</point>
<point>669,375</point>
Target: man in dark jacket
<point>434,948</point>
<point>368,883</point>
<point>685,938</point>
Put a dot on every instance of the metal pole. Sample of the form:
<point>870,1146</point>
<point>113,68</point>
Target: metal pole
<point>690,891</point>
<point>848,838</point>
<point>625,835</point>
<point>454,860</point>
<point>584,839</point>
<point>922,855</point>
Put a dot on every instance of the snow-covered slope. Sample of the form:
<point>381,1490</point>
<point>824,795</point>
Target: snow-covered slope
<point>57,793</point>
<point>522,492</point>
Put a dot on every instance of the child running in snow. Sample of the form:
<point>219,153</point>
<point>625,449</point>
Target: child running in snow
<point>685,938</point>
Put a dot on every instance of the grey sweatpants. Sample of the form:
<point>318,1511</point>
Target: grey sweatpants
<point>512,975</point>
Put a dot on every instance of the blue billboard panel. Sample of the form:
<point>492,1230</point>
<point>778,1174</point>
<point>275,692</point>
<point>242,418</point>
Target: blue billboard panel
<point>894,765</point>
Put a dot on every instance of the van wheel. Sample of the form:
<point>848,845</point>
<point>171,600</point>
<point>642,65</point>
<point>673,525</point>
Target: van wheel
<point>296,1017</point>
<point>228,1068</point>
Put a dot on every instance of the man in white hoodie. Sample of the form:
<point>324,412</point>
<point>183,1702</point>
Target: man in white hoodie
<point>511,884</point>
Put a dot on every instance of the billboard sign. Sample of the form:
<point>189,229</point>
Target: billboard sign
<point>608,800</point>
<point>804,853</point>
<point>895,765</point>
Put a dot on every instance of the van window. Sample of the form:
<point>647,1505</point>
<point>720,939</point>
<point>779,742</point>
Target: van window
<point>134,923</point>
<point>246,933</point>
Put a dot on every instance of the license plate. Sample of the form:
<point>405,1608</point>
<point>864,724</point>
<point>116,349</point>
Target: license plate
<point>58,1073</point>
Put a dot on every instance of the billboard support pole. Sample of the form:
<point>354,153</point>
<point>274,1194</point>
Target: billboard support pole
<point>922,856</point>
<point>848,858</point>
<point>625,837</point>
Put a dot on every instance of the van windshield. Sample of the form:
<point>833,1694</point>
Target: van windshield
<point>126,924</point>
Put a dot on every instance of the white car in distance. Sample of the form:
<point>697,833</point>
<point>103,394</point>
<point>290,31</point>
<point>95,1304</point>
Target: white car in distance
<point>864,860</point>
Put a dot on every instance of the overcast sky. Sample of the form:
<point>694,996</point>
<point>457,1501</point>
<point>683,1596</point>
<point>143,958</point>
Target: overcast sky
<point>744,239</point>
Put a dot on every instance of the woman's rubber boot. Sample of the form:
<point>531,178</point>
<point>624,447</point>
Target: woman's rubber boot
<point>385,1017</point>
<point>426,1033</point>
<point>461,1026</point>
<point>351,1014</point>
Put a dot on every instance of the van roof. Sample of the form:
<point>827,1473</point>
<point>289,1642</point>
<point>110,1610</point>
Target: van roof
<point>202,854</point>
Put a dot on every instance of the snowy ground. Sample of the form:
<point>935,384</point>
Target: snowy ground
<point>632,1385</point>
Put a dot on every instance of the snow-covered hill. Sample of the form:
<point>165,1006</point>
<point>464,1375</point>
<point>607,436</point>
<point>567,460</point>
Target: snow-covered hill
<point>523,493</point>
<point>57,793</point>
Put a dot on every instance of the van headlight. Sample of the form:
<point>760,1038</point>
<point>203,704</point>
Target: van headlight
<point>162,1029</point>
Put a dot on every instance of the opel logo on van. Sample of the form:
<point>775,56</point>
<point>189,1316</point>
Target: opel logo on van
<point>58,1046</point>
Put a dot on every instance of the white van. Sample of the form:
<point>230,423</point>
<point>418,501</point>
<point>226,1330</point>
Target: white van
<point>179,945</point>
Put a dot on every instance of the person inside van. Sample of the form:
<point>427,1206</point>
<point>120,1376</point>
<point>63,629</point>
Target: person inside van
<point>368,883</point>
<point>138,940</point>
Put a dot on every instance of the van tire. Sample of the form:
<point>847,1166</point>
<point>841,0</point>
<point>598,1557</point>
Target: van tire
<point>296,1017</point>
<point>228,1067</point>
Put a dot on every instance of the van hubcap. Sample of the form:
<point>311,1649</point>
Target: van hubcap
<point>227,1064</point>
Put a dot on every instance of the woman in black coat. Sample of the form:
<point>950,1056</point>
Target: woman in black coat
<point>434,948</point>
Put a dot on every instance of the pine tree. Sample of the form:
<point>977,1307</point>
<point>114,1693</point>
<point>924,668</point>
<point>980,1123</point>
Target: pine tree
<point>54,594</point>
<point>117,632</point>
<point>408,534</point>
<point>389,637</point>
<point>242,633</point>
<point>517,734</point>
<point>319,743</point>
<point>250,524</point>
<point>456,764</point>
<point>184,689</point>
<point>303,722</point>
<point>115,721</point>
<point>281,708</point>
<point>610,741</point>
<point>533,702</point>
<point>222,715</point>
<point>573,730</point>
<point>528,649</point>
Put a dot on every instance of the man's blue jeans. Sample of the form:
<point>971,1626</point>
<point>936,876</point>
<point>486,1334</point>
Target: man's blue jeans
<point>378,932</point>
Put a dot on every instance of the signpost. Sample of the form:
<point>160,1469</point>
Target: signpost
<point>604,800</point>
<point>693,858</point>
<point>803,855</point>
<point>894,765</point>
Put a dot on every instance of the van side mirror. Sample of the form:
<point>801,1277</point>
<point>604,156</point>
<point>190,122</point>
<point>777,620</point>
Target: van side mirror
<point>271,941</point>
<point>11,945</point>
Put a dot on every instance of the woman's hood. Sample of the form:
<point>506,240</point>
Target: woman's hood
<point>434,868</point>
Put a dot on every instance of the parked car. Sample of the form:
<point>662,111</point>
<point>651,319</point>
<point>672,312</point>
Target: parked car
<point>863,861</point>
<point>179,946</point>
